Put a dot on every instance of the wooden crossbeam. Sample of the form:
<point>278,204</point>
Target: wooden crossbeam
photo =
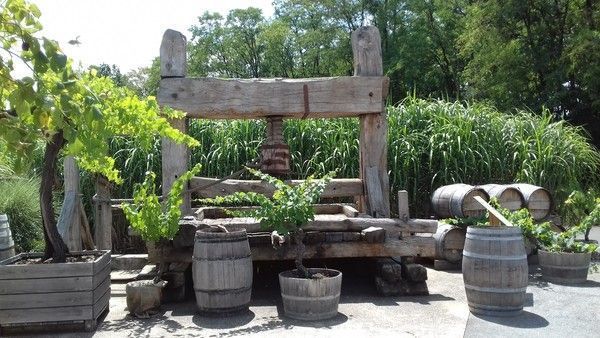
<point>212,98</point>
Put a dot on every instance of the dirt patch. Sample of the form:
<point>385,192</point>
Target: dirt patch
<point>70,259</point>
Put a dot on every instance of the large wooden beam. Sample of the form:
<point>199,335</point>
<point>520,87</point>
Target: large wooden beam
<point>411,246</point>
<point>175,157</point>
<point>103,216</point>
<point>343,187</point>
<point>212,98</point>
<point>69,221</point>
<point>366,48</point>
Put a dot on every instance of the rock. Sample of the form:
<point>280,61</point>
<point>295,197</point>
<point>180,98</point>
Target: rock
<point>388,269</point>
<point>144,297</point>
<point>400,288</point>
<point>414,272</point>
<point>373,235</point>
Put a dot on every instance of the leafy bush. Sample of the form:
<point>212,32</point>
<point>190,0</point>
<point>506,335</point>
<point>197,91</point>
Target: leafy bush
<point>546,238</point>
<point>19,199</point>
<point>152,219</point>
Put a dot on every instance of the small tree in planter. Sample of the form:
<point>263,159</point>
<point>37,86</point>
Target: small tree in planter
<point>73,113</point>
<point>155,222</point>
<point>562,257</point>
<point>291,208</point>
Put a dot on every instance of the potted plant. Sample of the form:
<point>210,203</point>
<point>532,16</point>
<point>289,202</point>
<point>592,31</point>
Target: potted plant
<point>562,258</point>
<point>308,293</point>
<point>72,113</point>
<point>156,222</point>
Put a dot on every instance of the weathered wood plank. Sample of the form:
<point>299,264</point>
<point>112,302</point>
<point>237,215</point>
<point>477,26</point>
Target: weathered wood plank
<point>212,98</point>
<point>41,300</point>
<point>366,48</point>
<point>341,187</point>
<point>69,221</point>
<point>173,54</point>
<point>45,285</point>
<point>101,304</point>
<point>410,246</point>
<point>100,290</point>
<point>100,277</point>
<point>101,262</point>
<point>403,212</point>
<point>51,314</point>
<point>175,161</point>
<point>103,219</point>
<point>16,272</point>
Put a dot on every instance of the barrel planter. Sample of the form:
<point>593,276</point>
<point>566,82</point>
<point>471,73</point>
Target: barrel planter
<point>59,293</point>
<point>222,270</point>
<point>7,245</point>
<point>564,267</point>
<point>457,200</point>
<point>449,242</point>
<point>495,270</point>
<point>538,200</point>
<point>311,298</point>
<point>508,197</point>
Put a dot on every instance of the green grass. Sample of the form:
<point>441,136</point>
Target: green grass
<point>20,201</point>
<point>431,143</point>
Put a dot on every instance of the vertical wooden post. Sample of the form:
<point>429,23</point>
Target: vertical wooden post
<point>366,48</point>
<point>103,219</point>
<point>175,157</point>
<point>69,221</point>
<point>403,213</point>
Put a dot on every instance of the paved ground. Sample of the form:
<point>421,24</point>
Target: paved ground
<point>551,311</point>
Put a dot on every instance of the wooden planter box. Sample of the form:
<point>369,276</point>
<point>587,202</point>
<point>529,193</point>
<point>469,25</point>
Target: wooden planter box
<point>62,293</point>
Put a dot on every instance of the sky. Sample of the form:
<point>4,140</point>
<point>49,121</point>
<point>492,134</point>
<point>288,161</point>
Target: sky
<point>126,33</point>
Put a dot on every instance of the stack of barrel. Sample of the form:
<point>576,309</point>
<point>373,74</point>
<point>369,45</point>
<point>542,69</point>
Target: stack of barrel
<point>457,201</point>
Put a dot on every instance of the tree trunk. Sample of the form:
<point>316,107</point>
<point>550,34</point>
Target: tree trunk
<point>55,247</point>
<point>298,238</point>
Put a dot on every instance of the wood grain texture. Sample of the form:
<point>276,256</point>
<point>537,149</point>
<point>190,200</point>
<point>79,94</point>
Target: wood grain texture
<point>103,219</point>
<point>173,54</point>
<point>366,48</point>
<point>311,299</point>
<point>411,246</point>
<point>222,271</point>
<point>212,98</point>
<point>495,270</point>
<point>175,162</point>
<point>69,221</point>
<point>340,187</point>
<point>60,292</point>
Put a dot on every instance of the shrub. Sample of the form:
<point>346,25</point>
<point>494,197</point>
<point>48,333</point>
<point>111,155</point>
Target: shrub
<point>19,199</point>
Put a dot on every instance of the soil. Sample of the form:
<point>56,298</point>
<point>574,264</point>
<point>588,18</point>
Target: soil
<point>70,259</point>
<point>319,275</point>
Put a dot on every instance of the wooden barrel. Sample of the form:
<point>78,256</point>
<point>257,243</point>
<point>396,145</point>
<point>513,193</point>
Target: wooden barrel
<point>457,200</point>
<point>495,270</point>
<point>509,197</point>
<point>311,298</point>
<point>7,245</point>
<point>222,270</point>
<point>538,200</point>
<point>564,267</point>
<point>449,242</point>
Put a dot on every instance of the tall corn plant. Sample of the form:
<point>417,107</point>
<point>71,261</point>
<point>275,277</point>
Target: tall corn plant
<point>430,143</point>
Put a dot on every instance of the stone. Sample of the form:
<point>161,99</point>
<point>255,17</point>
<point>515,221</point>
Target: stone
<point>414,272</point>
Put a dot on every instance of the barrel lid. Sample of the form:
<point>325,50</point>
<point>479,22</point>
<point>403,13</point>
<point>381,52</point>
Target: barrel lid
<point>496,230</point>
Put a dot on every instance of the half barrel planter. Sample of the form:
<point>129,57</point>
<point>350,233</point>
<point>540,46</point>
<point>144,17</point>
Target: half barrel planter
<point>59,293</point>
<point>311,298</point>
<point>564,267</point>
<point>222,270</point>
<point>495,270</point>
